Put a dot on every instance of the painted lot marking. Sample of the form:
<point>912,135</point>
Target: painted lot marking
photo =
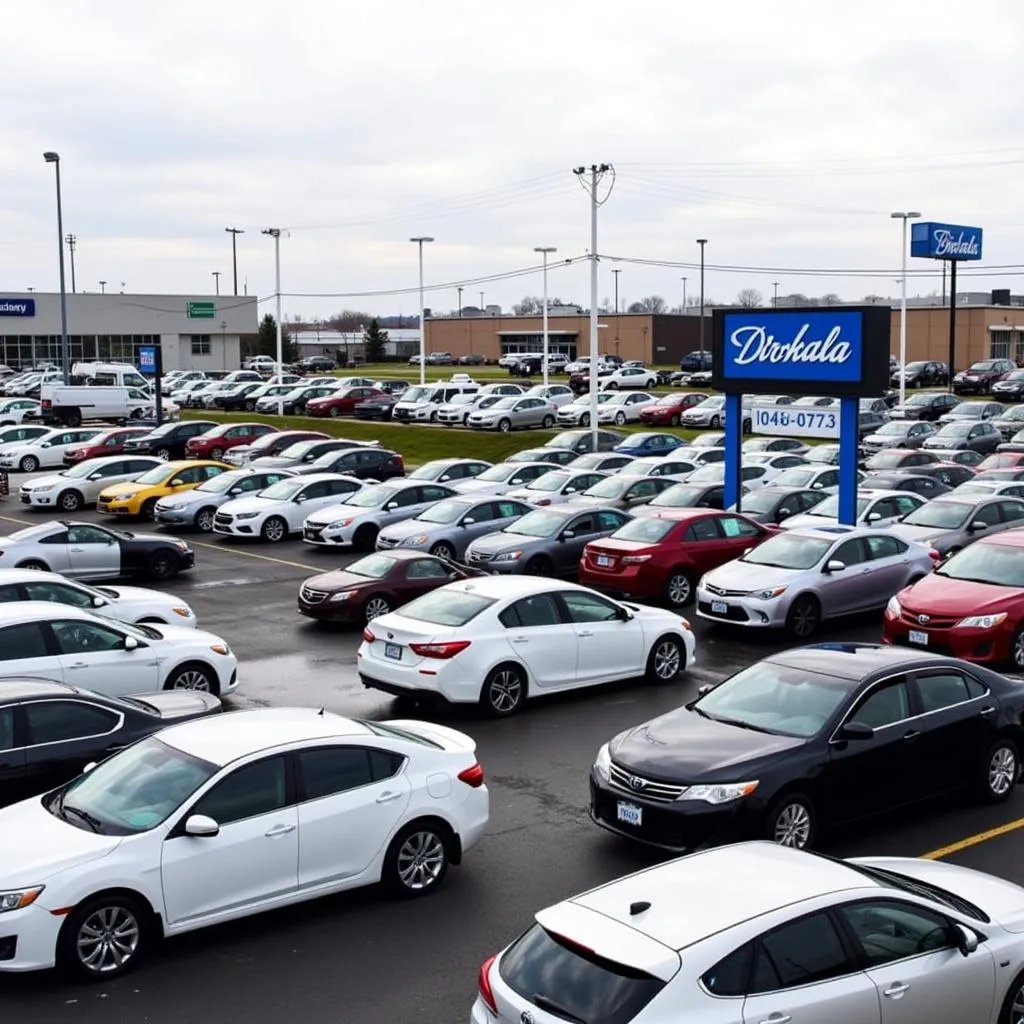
<point>975,840</point>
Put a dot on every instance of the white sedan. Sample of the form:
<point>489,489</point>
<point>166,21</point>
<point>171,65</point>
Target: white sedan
<point>87,650</point>
<point>45,451</point>
<point>281,508</point>
<point>13,410</point>
<point>222,818</point>
<point>874,508</point>
<point>630,377</point>
<point>80,485</point>
<point>500,639</point>
<point>577,412</point>
<point>126,604</point>
<point>621,408</point>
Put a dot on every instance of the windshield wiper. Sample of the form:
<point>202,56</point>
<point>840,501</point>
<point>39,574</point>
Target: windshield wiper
<point>746,725</point>
<point>93,822</point>
<point>547,1003</point>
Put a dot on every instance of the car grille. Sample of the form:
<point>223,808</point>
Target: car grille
<point>724,591</point>
<point>386,542</point>
<point>313,530</point>
<point>311,596</point>
<point>480,556</point>
<point>734,614</point>
<point>222,519</point>
<point>401,414</point>
<point>933,621</point>
<point>665,792</point>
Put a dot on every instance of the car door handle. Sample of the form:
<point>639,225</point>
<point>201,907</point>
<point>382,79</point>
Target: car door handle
<point>777,1018</point>
<point>986,711</point>
<point>77,551</point>
<point>279,830</point>
<point>387,796</point>
<point>79,664</point>
<point>895,990</point>
<point>520,639</point>
<point>912,735</point>
<point>585,632</point>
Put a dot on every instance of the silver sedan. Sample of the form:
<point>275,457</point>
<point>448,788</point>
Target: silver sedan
<point>557,486</point>
<point>950,523</point>
<point>514,414</point>
<point>797,579</point>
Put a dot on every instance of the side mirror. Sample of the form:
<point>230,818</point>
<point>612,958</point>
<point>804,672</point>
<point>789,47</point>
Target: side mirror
<point>299,499</point>
<point>98,602</point>
<point>95,476</point>
<point>200,826</point>
<point>705,689</point>
<point>784,512</point>
<point>977,525</point>
<point>873,517</point>
<point>834,565</point>
<point>177,482</point>
<point>234,491</point>
<point>624,615</point>
<point>131,644</point>
<point>855,731</point>
<point>567,535</point>
<point>468,521</point>
<point>966,940</point>
<point>89,767</point>
<point>390,506</point>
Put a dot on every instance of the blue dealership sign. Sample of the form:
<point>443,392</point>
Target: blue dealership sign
<point>834,351</point>
<point>147,359</point>
<point>17,307</point>
<point>945,241</point>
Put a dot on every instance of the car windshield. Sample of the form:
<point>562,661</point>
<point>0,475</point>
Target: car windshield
<point>678,496</point>
<point>952,430</point>
<point>446,607</point>
<point>298,450</point>
<point>1016,413</point>
<point>540,523</point>
<point>829,508</point>
<point>983,366</point>
<point>156,475</point>
<point>921,399</point>
<point>787,550</point>
<point>221,483</point>
<point>83,469</point>
<point>373,567</point>
<point>761,502</point>
<point>714,402</point>
<point>894,428</point>
<point>372,497</point>
<point>940,515</point>
<point>828,453</point>
<point>968,411</point>
<point>430,471</point>
<point>795,477</point>
<point>913,367</point>
<point>1001,565</point>
<point>548,482</point>
<point>508,402</point>
<point>668,400</point>
<point>497,474</point>
<point>648,529</point>
<point>713,473</point>
<point>1005,461</point>
<point>886,460</point>
<point>443,512</point>
<point>416,394</point>
<point>776,699</point>
<point>465,399</point>
<point>283,490</point>
<point>612,487</point>
<point>133,791</point>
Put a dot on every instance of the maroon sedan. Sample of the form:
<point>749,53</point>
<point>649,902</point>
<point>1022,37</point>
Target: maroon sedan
<point>214,443</point>
<point>342,402</point>
<point>110,442</point>
<point>668,410</point>
<point>376,584</point>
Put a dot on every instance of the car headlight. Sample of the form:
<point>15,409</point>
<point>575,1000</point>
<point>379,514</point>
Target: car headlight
<point>342,595</point>
<point>15,899</point>
<point>44,489</point>
<point>720,794</point>
<point>603,762</point>
<point>416,541</point>
<point>338,523</point>
<point>981,621</point>
<point>123,497</point>
<point>247,515</point>
<point>893,607</point>
<point>768,595</point>
<point>508,556</point>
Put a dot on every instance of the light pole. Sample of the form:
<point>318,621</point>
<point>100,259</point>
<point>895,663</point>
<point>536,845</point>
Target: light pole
<point>72,242</point>
<point>482,310</point>
<point>702,242</point>
<point>103,287</point>
<point>235,232</point>
<point>544,250</point>
<point>684,294</point>
<point>459,290</point>
<point>275,233</point>
<point>775,294</point>
<point>216,279</point>
<point>616,275</point>
<point>54,158</point>
<point>419,240</point>
<point>904,217</point>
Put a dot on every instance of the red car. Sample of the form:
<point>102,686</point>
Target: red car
<point>214,443</point>
<point>1001,460</point>
<point>971,607</point>
<point>664,555</point>
<point>342,402</point>
<point>110,442</point>
<point>668,410</point>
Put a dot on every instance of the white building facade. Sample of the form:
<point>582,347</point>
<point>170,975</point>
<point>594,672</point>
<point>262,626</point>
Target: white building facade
<point>201,332</point>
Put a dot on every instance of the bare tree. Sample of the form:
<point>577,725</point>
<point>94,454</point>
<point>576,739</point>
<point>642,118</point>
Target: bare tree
<point>749,298</point>
<point>529,304</point>
<point>651,304</point>
<point>830,299</point>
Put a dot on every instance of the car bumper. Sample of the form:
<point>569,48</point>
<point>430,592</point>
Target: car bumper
<point>741,611</point>
<point>411,415</point>
<point>118,508</point>
<point>174,516</point>
<point>982,646</point>
<point>328,537</point>
<point>35,499</point>
<point>621,583</point>
<point>331,611</point>
<point>969,387</point>
<point>28,939</point>
<point>431,680</point>
<point>245,528</point>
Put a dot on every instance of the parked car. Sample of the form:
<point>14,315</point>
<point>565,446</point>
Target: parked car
<point>791,445</point>
<point>897,434</point>
<point>556,394</point>
<point>503,477</point>
<point>571,637</point>
<point>108,442</point>
<point>138,497</point>
<point>824,454</point>
<point>952,474</point>
<point>948,524</point>
<point>556,486</point>
<point>340,401</point>
<point>641,445</point>
<point>514,413</point>
<point>622,491</point>
<point>45,450</point>
<point>14,410</point>
<point>236,398</point>
<point>578,412</point>
<point>678,467</point>
<point>317,364</point>
<point>976,437</point>
<point>168,441</point>
<point>897,458</point>
<point>1010,388</point>
<point>813,476</point>
<point>907,480</point>
<point>694,361</point>
<point>303,453</point>
<point>972,412</point>
<point>668,409</point>
<point>621,408</point>
<point>773,504</point>
<point>1001,460</point>
<point>196,508</point>
<point>662,556</point>
<point>922,373</point>
<point>709,413</point>
<point>554,456</point>
<point>447,470</point>
<point>457,410</point>
<point>270,445</point>
<point>581,441</point>
<point>364,463</point>
<point>874,508</point>
<point>925,406</point>
<point>752,475</point>
<point>222,438</point>
<point>979,377</point>
<point>1010,421</point>
<point>377,408</point>
<point>1012,488</point>
<point>82,484</point>
<point>631,377</point>
<point>685,495</point>
<point>805,576</point>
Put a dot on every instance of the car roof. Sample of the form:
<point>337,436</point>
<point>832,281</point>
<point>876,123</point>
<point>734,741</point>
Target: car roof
<point>853,661</point>
<point>23,689</point>
<point>40,611</point>
<point>1007,539</point>
<point>221,739</point>
<point>708,892</point>
<point>969,499</point>
<point>831,533</point>
<point>500,588</point>
<point>309,478</point>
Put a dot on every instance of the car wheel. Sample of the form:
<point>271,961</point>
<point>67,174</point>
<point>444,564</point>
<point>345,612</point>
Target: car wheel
<point>792,822</point>
<point>1001,772</point>
<point>29,464</point>
<point>620,419</point>
<point>433,416</point>
<point>104,937</point>
<point>203,521</point>
<point>666,661</point>
<point>804,617</point>
<point>375,607</point>
<point>193,676</point>
<point>504,691</point>
<point>365,538</point>
<point>540,565</point>
<point>148,508</point>
<point>1012,1011</point>
<point>611,386</point>
<point>33,564</point>
<point>445,551</point>
<point>585,420</point>
<point>162,566</point>
<point>674,421</point>
<point>69,501</point>
<point>417,859</point>
<point>274,530</point>
<point>334,411</point>
<point>716,422</point>
<point>163,454</point>
<point>250,406</point>
<point>504,425</point>
<point>548,422</point>
<point>679,588</point>
<point>216,454</point>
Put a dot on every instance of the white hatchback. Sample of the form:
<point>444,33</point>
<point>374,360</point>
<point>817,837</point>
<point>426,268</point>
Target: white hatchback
<point>13,410</point>
<point>45,451</point>
<point>500,639</point>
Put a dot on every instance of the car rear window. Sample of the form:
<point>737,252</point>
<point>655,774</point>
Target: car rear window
<point>446,607</point>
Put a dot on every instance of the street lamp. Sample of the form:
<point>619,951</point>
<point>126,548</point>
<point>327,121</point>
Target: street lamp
<point>775,294</point>
<point>216,278</point>
<point>275,233</point>
<point>904,217</point>
<point>684,294</point>
<point>419,240</point>
<point>702,242</point>
<point>544,250</point>
<point>235,232</point>
<point>65,358</point>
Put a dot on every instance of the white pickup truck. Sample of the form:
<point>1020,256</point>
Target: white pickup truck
<point>72,404</point>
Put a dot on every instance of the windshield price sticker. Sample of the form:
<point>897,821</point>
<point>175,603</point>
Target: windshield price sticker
<point>785,422</point>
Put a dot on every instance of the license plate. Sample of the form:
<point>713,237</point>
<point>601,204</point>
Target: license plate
<point>719,608</point>
<point>393,651</point>
<point>917,636</point>
<point>630,814</point>
<point>310,533</point>
<point>603,560</point>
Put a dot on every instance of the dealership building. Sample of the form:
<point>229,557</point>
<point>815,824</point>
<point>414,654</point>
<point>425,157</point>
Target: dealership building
<point>201,332</point>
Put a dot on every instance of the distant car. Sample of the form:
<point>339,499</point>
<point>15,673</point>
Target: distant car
<point>980,377</point>
<point>456,411</point>
<point>678,467</point>
<point>580,441</point>
<point>921,374</point>
<point>773,504</point>
<point>503,477</point>
<point>514,413</point>
<point>341,401</point>
<point>952,474</point>
<point>472,359</point>
<point>971,435</point>
<point>803,577</point>
<point>874,508</point>
<point>907,480</point>
<point>709,439</point>
<point>898,458</point>
<point>439,359</point>
<point>1010,388</point>
<point>44,451</point>
<point>630,377</point>
<point>1010,422</point>
<point>813,476</point>
<point>196,508</point>
<point>109,442</point>
<point>950,523</point>
<point>305,452</point>
<point>557,394</point>
<point>870,423</point>
<point>578,411</point>
<point>924,406</point>
<point>622,408</point>
<point>973,412</point>
<point>685,495</point>
<point>168,441</point>
<point>365,463</point>
<point>1001,460</point>
<point>376,408</point>
<point>668,409</point>
<point>270,445</point>
<point>601,462</point>
<point>622,490</point>
<point>14,410</point>
<point>222,438</point>
<point>556,486</point>
<point>792,445</point>
<point>897,434</point>
<point>317,364</point>
<point>444,471</point>
<point>641,445</point>
<point>824,454</point>
<point>694,361</point>
<point>82,484</point>
<point>709,413</point>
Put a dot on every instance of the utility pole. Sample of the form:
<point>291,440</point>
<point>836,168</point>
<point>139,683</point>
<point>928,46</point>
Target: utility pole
<point>275,233</point>
<point>904,216</point>
<point>702,242</point>
<point>684,295</point>
<point>616,275</point>
<point>482,310</point>
<point>103,287</point>
<point>216,278</point>
<point>235,232</point>
<point>775,294</point>
<point>419,240</point>
<point>596,173</point>
<point>65,357</point>
<point>72,241</point>
<point>544,250</point>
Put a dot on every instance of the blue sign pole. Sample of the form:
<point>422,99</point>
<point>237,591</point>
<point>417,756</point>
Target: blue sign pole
<point>733,441</point>
<point>849,418</point>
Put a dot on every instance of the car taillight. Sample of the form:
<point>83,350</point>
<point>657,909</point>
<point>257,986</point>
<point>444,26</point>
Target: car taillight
<point>935,555</point>
<point>635,559</point>
<point>473,776</point>
<point>444,650</point>
<point>369,636</point>
<point>484,985</point>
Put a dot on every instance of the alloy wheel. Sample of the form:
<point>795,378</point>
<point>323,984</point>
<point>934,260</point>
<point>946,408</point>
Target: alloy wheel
<point>69,501</point>
<point>1018,650</point>
<point>505,691</point>
<point>163,454</point>
<point>679,588</point>
<point>108,939</point>
<point>1002,770</point>
<point>421,860</point>
<point>274,530</point>
<point>375,607</point>
<point>1017,1007</point>
<point>444,551</point>
<point>204,520</point>
<point>804,619</point>
<point>667,660</point>
<point>192,679</point>
<point>792,826</point>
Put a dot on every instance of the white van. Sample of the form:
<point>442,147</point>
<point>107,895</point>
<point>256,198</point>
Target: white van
<point>421,402</point>
<point>118,375</point>
<point>72,404</point>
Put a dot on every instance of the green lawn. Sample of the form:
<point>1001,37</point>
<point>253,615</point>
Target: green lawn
<point>404,371</point>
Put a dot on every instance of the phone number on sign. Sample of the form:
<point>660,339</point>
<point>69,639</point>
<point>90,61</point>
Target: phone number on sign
<point>808,420</point>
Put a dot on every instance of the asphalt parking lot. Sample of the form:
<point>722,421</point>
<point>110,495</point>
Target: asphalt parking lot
<point>362,957</point>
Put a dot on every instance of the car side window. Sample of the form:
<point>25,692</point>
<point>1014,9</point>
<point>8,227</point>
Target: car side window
<point>56,721</point>
<point>733,526</point>
<point>583,525</point>
<point>884,547</point>
<point>584,607</point>
<point>885,705</point>
<point>537,610</point>
<point>942,689</point>
<point>77,636</point>
<point>730,975</point>
<point>850,552</point>
<point>340,487</point>
<point>889,930</point>
<point>60,592</point>
<point>425,569</point>
<point>25,640</point>
<point>428,492</point>
<point>904,504</point>
<point>329,770</point>
<point>257,788</point>
<point>6,728</point>
<point>314,490</point>
<point>800,953</point>
<point>190,475</point>
<point>643,489</point>
<point>1011,510</point>
<point>702,529</point>
<point>82,533</point>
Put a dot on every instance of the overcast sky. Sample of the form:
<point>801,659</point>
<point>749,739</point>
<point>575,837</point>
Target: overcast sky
<point>785,133</point>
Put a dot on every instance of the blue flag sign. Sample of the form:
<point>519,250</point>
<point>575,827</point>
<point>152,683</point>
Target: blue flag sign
<point>945,241</point>
<point>147,359</point>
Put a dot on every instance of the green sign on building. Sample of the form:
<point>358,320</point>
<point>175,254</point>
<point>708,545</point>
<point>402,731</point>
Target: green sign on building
<point>202,310</point>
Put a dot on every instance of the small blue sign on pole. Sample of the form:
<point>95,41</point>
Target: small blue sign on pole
<point>945,241</point>
<point>147,359</point>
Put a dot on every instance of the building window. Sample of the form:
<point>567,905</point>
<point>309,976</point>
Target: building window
<point>999,347</point>
<point>200,344</point>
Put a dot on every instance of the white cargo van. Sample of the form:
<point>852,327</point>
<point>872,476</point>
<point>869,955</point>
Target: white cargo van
<point>72,404</point>
<point>421,402</point>
<point>119,375</point>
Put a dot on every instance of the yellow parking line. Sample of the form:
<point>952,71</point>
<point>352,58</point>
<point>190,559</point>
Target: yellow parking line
<point>975,840</point>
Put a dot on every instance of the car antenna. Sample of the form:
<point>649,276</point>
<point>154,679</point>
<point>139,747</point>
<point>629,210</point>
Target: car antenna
<point>639,907</point>
<point>321,711</point>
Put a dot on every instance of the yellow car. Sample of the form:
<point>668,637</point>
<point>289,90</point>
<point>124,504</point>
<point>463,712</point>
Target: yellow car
<point>138,497</point>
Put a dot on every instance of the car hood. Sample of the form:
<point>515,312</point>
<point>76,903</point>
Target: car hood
<point>270,462</point>
<point>41,483</point>
<point>179,704</point>
<point>682,746</point>
<point>129,487</point>
<point>236,505</point>
<point>464,486</point>
<point>942,596</point>
<point>340,511</point>
<point>144,594</point>
<point>337,579</point>
<point>803,519</point>
<point>413,528</point>
<point>493,543</point>
<point>38,845</point>
<point>745,576</point>
<point>920,533</point>
<point>182,499</point>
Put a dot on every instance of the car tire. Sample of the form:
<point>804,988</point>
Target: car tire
<point>374,607</point>
<point>804,617</point>
<point>417,859</point>
<point>29,464</point>
<point>505,425</point>
<point>792,821</point>
<point>585,420</point>
<point>678,588</point>
<point>674,421</point>
<point>334,412</point>
<point>274,530</point>
<point>748,426</point>
<point>504,691</point>
<point>716,422</point>
<point>433,416</point>
<point>667,660</point>
<point>620,419</point>
<point>35,564</point>
<point>1000,772</point>
<point>365,538</point>
<point>83,948</point>
<point>148,508</point>
<point>162,566</point>
<point>443,550</point>
<point>548,422</point>
<point>163,454</point>
<point>250,406</point>
<point>539,565</point>
<point>193,675</point>
<point>216,454</point>
<point>1012,1009</point>
<point>611,386</point>
<point>203,521</point>
<point>69,501</point>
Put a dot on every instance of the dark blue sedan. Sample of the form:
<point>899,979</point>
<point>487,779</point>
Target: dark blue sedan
<point>648,444</point>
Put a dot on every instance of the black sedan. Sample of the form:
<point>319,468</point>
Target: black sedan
<point>808,739</point>
<point>50,731</point>
<point>927,485</point>
<point>925,407</point>
<point>376,408</point>
<point>921,374</point>
<point>776,504</point>
<point>168,441</point>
